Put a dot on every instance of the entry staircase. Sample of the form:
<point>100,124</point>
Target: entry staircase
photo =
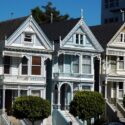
<point>63,117</point>
<point>115,112</point>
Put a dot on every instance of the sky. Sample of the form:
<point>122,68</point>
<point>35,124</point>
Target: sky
<point>19,8</point>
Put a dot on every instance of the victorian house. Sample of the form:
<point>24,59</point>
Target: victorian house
<point>112,38</point>
<point>75,51</point>
<point>51,60</point>
<point>24,48</point>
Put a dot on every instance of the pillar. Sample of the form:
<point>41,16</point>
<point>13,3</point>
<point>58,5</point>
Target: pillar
<point>106,97</point>
<point>3,105</point>
<point>18,91</point>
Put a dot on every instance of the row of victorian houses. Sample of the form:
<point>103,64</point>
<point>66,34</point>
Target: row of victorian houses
<point>55,60</point>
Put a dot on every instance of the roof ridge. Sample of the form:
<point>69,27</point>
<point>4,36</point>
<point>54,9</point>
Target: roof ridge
<point>9,20</point>
<point>72,19</point>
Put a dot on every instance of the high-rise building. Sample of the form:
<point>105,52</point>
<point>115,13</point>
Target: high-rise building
<point>112,11</point>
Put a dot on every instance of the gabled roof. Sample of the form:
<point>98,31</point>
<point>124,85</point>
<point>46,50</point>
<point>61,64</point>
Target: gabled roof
<point>105,32</point>
<point>56,29</point>
<point>8,27</point>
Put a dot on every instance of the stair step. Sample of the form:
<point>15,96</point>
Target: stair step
<point>13,120</point>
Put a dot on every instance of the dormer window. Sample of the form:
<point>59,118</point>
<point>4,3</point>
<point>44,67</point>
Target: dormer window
<point>122,37</point>
<point>28,37</point>
<point>79,39</point>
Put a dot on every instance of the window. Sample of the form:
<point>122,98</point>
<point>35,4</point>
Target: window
<point>121,62</point>
<point>75,64</point>
<point>120,85</point>
<point>24,66</point>
<point>36,65</point>
<point>28,37</point>
<point>86,88</point>
<point>86,64</point>
<point>60,61</point>
<point>122,37</point>
<point>79,39</point>
<point>7,64</point>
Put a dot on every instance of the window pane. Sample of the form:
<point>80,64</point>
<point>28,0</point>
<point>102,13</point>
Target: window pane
<point>7,64</point>
<point>24,66</point>
<point>60,61</point>
<point>81,39</point>
<point>36,70</point>
<point>28,37</point>
<point>77,39</point>
<point>75,64</point>
<point>36,60</point>
<point>24,70</point>
<point>86,64</point>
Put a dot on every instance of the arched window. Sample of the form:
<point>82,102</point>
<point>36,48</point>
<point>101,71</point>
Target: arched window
<point>24,66</point>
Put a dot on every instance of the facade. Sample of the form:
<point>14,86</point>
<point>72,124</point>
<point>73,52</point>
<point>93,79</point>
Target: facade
<point>75,50</point>
<point>24,48</point>
<point>52,61</point>
<point>112,11</point>
<point>112,38</point>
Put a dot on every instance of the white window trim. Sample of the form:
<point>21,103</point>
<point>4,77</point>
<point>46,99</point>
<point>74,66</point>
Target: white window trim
<point>122,40</point>
<point>79,39</point>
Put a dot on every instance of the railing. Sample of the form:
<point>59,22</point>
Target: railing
<point>121,108</point>
<point>75,75</point>
<point>11,78</point>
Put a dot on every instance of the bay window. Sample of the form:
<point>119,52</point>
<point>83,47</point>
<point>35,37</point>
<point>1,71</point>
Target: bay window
<point>86,64</point>
<point>36,65</point>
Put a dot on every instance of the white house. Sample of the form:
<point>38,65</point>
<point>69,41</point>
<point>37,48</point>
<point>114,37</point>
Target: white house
<point>75,50</point>
<point>24,48</point>
<point>112,38</point>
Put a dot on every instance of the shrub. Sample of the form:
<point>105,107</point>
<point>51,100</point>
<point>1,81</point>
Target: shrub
<point>31,107</point>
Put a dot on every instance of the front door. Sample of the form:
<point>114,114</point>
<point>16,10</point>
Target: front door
<point>65,96</point>
<point>8,101</point>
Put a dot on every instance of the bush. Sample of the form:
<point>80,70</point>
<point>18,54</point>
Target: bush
<point>31,107</point>
<point>87,104</point>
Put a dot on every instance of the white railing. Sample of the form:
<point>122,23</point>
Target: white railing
<point>75,75</point>
<point>11,78</point>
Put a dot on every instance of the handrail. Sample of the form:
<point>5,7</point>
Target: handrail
<point>121,108</point>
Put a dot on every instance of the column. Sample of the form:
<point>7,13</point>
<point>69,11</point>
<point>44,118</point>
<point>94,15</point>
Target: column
<point>58,96</point>
<point>106,89</point>
<point>124,87</point>
<point>3,105</point>
<point>80,64</point>
<point>18,91</point>
<point>117,91</point>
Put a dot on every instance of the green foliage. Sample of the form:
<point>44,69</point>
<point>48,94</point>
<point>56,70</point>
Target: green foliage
<point>124,101</point>
<point>43,15</point>
<point>87,104</point>
<point>31,107</point>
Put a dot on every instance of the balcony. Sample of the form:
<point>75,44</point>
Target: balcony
<point>73,76</point>
<point>22,79</point>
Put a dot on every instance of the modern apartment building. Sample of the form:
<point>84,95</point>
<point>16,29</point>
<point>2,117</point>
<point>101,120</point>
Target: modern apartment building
<point>112,11</point>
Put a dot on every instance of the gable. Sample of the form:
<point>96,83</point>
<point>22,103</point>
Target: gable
<point>80,37</point>
<point>118,40</point>
<point>29,35</point>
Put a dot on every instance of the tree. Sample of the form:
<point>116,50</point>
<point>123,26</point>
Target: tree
<point>31,107</point>
<point>87,104</point>
<point>43,15</point>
